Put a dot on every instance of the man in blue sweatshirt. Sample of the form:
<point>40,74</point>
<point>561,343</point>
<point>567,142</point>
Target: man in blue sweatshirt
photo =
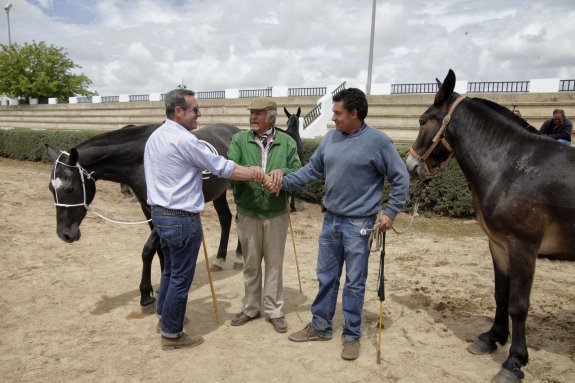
<point>354,159</point>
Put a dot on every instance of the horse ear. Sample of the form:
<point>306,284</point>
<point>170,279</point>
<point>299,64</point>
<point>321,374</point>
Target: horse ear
<point>52,155</point>
<point>298,111</point>
<point>286,112</point>
<point>73,159</point>
<point>445,88</point>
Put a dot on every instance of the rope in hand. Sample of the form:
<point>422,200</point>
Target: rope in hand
<point>377,236</point>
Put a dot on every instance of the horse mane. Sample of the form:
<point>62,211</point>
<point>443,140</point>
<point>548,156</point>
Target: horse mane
<point>119,136</point>
<point>108,146</point>
<point>508,114</point>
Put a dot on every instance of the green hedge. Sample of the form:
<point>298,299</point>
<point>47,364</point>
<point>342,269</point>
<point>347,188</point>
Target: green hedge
<point>29,145</point>
<point>447,194</point>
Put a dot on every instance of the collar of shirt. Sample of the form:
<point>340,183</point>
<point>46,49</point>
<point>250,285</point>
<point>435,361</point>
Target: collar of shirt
<point>361,129</point>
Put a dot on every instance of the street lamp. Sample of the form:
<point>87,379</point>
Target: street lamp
<point>370,64</point>
<point>7,9</point>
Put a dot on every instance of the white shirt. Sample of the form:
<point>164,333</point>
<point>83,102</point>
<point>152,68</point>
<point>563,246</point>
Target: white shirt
<point>173,163</point>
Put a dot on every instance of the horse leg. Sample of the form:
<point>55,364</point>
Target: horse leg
<point>225,218</point>
<point>521,270</point>
<point>499,332</point>
<point>146,290</point>
<point>292,202</point>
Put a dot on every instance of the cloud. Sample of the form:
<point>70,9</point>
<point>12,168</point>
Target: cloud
<point>143,46</point>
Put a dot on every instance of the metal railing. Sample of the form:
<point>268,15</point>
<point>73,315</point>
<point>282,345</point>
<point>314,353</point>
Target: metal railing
<point>111,99</point>
<point>139,97</point>
<point>430,87</point>
<point>311,116</point>
<point>252,93</point>
<point>338,89</point>
<point>497,87</point>
<point>211,94</point>
<point>318,91</point>
<point>566,85</point>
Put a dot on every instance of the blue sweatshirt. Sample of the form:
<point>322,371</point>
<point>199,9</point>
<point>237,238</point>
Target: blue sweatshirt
<point>354,167</point>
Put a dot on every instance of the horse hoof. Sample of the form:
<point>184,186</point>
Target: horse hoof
<point>147,301</point>
<point>507,376</point>
<point>479,347</point>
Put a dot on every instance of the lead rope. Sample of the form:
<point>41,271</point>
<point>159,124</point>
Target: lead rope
<point>377,236</point>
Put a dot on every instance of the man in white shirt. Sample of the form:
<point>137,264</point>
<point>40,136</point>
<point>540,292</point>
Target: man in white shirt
<point>173,163</point>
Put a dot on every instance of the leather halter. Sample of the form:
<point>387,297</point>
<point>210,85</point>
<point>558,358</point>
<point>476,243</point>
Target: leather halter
<point>439,137</point>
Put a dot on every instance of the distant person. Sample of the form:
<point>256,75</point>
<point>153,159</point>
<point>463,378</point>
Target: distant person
<point>173,163</point>
<point>263,216</point>
<point>558,127</point>
<point>516,112</point>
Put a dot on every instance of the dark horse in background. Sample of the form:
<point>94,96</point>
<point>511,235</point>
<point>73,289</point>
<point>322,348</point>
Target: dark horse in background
<point>522,185</point>
<point>293,131</point>
<point>118,156</point>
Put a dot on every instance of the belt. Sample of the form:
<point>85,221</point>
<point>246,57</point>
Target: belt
<point>166,211</point>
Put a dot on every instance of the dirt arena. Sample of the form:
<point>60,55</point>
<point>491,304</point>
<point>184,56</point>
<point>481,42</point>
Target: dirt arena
<point>70,312</point>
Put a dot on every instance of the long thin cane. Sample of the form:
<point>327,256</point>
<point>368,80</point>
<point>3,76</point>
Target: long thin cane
<point>293,243</point>
<point>381,294</point>
<point>215,303</point>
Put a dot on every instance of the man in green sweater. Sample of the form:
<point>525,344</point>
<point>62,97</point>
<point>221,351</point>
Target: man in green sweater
<point>262,216</point>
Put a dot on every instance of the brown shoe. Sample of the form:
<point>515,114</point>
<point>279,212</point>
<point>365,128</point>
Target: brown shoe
<point>306,335</point>
<point>280,324</point>
<point>242,318</point>
<point>350,349</point>
<point>181,342</point>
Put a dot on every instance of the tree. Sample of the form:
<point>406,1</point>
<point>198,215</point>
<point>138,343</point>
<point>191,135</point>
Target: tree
<point>40,71</point>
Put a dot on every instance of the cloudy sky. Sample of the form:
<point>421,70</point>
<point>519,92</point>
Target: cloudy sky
<point>144,46</point>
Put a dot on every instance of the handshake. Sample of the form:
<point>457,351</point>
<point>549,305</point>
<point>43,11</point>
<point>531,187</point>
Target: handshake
<point>272,181</point>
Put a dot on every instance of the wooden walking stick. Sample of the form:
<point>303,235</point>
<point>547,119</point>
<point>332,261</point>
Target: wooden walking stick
<point>293,243</point>
<point>214,301</point>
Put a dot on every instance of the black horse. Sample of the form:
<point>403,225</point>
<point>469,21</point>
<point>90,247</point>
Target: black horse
<point>522,185</point>
<point>293,131</point>
<point>118,156</point>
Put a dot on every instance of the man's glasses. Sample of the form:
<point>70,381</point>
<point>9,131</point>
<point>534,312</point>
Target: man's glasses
<point>196,109</point>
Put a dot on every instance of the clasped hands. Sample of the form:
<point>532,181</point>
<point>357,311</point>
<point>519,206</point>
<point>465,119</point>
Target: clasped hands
<point>272,181</point>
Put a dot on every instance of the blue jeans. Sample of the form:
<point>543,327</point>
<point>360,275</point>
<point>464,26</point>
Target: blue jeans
<point>180,239</point>
<point>564,141</point>
<point>341,242</point>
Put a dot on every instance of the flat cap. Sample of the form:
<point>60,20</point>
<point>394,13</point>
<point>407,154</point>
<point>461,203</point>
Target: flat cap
<point>263,103</point>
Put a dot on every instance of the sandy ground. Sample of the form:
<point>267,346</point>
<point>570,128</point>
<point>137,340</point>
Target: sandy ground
<point>70,312</point>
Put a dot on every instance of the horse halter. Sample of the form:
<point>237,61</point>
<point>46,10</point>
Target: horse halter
<point>439,137</point>
<point>82,172</point>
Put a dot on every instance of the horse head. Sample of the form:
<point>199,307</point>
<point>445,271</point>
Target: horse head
<point>431,148</point>
<point>293,129</point>
<point>73,189</point>
<point>293,120</point>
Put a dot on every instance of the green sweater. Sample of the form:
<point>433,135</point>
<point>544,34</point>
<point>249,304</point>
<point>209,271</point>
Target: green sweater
<point>251,198</point>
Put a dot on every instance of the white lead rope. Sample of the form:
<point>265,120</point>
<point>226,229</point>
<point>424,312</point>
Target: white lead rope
<point>114,221</point>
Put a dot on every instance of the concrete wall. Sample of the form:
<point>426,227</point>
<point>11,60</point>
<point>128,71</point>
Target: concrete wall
<point>397,115</point>
<point>108,116</point>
